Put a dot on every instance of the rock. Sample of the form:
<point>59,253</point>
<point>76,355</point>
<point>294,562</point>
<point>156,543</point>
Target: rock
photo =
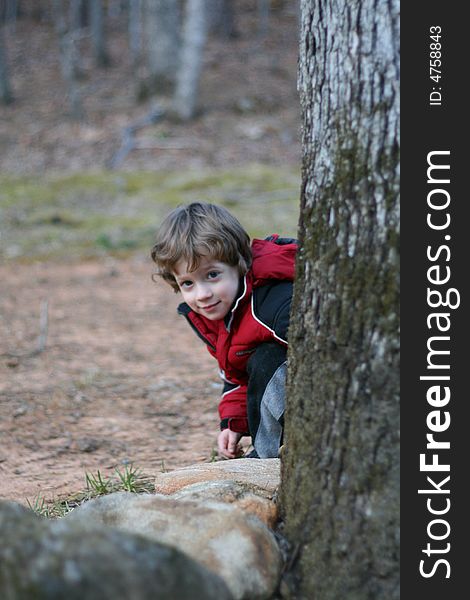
<point>238,494</point>
<point>53,560</point>
<point>235,545</point>
<point>89,444</point>
<point>262,476</point>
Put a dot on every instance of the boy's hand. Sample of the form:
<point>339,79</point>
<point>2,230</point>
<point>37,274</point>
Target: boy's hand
<point>227,443</point>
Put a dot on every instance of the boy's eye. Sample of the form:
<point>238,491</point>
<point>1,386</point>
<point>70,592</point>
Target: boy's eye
<point>186,283</point>
<point>213,274</point>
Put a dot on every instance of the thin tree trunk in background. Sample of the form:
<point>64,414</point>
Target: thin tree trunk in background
<point>6,95</point>
<point>98,34</point>
<point>135,30</point>
<point>11,13</point>
<point>115,8</point>
<point>70,70</point>
<point>263,17</point>
<point>340,470</point>
<point>162,21</point>
<point>194,39</point>
<point>58,17</point>
<point>77,14</point>
<point>220,18</point>
<point>69,56</point>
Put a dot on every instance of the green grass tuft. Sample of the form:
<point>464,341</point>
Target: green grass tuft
<point>96,485</point>
<point>129,479</point>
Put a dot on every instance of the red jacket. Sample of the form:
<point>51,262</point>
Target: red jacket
<point>260,314</point>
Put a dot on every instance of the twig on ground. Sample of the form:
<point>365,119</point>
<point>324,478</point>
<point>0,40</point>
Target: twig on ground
<point>128,142</point>
<point>177,144</point>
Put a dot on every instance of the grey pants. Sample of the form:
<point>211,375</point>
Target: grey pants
<point>266,395</point>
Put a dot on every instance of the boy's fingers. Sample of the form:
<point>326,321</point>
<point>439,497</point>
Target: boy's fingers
<point>228,445</point>
<point>223,444</point>
<point>226,453</point>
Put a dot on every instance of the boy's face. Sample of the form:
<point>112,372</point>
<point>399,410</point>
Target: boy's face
<point>211,289</point>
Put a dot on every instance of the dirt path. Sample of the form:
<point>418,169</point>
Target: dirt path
<point>122,378</point>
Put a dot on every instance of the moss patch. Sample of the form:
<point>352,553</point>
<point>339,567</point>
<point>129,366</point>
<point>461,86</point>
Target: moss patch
<point>96,213</point>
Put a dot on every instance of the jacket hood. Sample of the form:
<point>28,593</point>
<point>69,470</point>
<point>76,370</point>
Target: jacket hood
<point>273,258</point>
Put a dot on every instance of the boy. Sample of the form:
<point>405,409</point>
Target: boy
<point>237,299</point>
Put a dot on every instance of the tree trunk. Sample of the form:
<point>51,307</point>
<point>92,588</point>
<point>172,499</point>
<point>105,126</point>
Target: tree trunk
<point>220,18</point>
<point>114,8</point>
<point>71,73</point>
<point>58,18</point>
<point>194,39</point>
<point>69,37</point>
<point>162,20</point>
<point>263,17</point>
<point>6,96</point>
<point>97,33</point>
<point>340,471</point>
<point>78,17</point>
<point>11,13</point>
<point>135,30</point>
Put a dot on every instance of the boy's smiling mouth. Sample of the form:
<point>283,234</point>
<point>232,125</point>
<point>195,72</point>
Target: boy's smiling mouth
<point>209,306</point>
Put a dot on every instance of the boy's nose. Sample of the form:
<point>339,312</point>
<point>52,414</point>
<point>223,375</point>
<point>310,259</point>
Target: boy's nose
<point>204,292</point>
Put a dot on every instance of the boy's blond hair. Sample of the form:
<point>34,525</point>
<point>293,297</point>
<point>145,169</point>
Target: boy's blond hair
<point>200,230</point>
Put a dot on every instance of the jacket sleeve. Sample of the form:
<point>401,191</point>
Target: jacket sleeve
<point>232,408</point>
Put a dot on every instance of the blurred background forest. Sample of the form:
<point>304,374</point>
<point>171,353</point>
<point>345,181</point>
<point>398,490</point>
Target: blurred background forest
<point>111,113</point>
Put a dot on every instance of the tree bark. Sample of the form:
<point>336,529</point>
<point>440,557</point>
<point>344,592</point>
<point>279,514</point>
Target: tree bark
<point>194,39</point>
<point>340,470</point>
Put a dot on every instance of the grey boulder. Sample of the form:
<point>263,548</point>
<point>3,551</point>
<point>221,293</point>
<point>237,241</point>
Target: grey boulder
<point>231,543</point>
<point>80,559</point>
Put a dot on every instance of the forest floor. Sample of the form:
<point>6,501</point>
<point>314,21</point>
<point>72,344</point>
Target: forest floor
<point>121,379</point>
